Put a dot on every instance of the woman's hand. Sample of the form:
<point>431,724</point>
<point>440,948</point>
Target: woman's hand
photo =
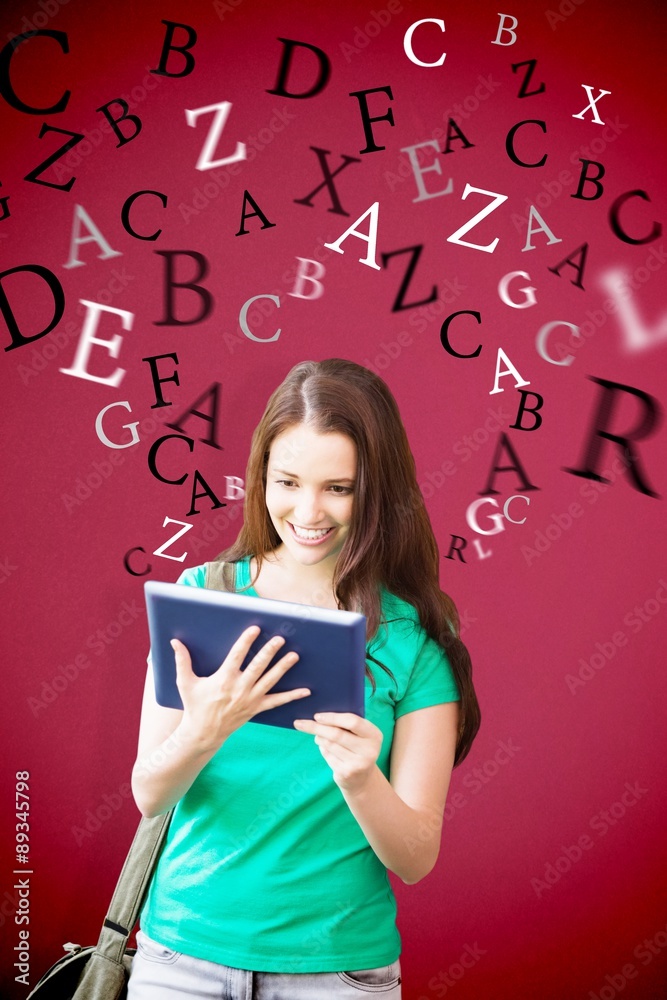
<point>215,706</point>
<point>349,744</point>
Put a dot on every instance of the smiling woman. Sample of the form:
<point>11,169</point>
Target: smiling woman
<point>274,873</point>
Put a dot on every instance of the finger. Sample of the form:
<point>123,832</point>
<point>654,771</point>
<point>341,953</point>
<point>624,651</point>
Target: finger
<point>331,733</point>
<point>184,672</point>
<point>239,649</point>
<point>281,698</point>
<point>273,674</point>
<point>261,659</point>
<point>331,749</point>
<point>344,720</point>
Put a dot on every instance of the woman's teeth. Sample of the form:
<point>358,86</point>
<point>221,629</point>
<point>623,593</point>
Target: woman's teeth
<point>310,534</point>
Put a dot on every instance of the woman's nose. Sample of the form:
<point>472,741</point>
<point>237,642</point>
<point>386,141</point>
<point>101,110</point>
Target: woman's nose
<point>308,510</point>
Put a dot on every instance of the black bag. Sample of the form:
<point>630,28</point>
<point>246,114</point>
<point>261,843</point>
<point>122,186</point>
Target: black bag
<point>101,972</point>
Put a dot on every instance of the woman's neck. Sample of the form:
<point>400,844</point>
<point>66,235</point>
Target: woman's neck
<point>283,578</point>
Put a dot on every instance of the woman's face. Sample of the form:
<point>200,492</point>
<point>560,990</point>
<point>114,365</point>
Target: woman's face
<point>310,485</point>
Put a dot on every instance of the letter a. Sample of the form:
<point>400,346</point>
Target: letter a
<point>371,238</point>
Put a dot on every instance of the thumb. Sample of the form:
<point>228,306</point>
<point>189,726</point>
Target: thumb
<point>184,672</point>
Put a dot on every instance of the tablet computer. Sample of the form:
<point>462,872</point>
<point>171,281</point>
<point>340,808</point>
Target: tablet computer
<point>331,646</point>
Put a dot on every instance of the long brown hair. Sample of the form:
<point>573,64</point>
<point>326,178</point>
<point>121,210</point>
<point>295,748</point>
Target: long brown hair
<point>390,541</point>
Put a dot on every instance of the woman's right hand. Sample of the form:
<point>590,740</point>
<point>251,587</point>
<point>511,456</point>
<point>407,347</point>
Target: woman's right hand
<point>215,706</point>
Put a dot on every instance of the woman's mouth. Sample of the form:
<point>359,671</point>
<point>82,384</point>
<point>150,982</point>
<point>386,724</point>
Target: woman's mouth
<point>309,536</point>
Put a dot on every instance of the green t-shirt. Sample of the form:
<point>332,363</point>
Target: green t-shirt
<point>264,867</point>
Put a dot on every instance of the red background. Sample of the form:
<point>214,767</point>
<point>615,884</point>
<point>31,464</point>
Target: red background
<point>529,620</point>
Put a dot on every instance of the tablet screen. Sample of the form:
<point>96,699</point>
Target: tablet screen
<point>331,646</point>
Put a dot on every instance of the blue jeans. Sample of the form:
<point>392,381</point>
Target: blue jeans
<point>159,972</point>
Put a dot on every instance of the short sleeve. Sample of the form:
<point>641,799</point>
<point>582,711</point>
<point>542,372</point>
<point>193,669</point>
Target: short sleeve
<point>193,577</point>
<point>431,680</point>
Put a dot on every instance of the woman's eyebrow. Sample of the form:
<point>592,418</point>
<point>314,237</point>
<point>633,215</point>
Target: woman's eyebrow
<point>292,475</point>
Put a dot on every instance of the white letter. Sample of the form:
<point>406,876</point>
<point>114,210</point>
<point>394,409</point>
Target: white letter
<point>471,517</point>
<point>503,284</point>
<point>542,228</point>
<point>407,41</point>
<point>222,110</point>
<point>243,322</point>
<point>637,336</point>
<point>88,338</point>
<point>592,104</point>
<point>517,496</point>
<point>132,428</point>
<point>302,276</point>
<point>234,488</point>
<point>510,370</point>
<point>174,538</point>
<point>501,28</point>
<point>81,215</point>
<point>419,170</point>
<point>541,341</point>
<point>498,199</point>
<point>371,239</point>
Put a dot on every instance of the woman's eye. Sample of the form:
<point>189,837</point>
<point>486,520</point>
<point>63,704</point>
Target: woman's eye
<point>286,482</point>
<point>342,490</point>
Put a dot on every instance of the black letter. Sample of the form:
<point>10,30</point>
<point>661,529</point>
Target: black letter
<point>6,88</point>
<point>153,453</point>
<point>157,381</point>
<point>616,225</point>
<point>19,339</point>
<point>444,339</point>
<point>453,127</point>
<point>212,417</point>
<point>407,277</point>
<point>458,549</point>
<point>539,401</point>
<point>509,143</point>
<point>580,252</point>
<point>328,181</point>
<point>126,561</point>
<point>283,71</point>
<point>208,492</point>
<point>124,117</point>
<point>585,179</point>
<point>168,47</point>
<point>34,174</point>
<point>171,283</point>
<point>531,64</point>
<point>125,213</point>
<point>367,121</point>
<point>599,431</point>
<point>504,442</point>
<point>249,215</point>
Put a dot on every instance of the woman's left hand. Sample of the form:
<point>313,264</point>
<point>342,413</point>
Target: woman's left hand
<point>349,744</point>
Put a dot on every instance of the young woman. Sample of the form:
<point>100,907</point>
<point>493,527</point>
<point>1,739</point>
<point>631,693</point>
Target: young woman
<point>273,880</point>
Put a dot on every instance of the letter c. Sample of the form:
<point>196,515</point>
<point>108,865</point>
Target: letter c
<point>153,452</point>
<point>517,496</point>
<point>407,42</point>
<point>125,214</point>
<point>6,88</point>
<point>444,339</point>
<point>126,561</point>
<point>541,341</point>
<point>243,320</point>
